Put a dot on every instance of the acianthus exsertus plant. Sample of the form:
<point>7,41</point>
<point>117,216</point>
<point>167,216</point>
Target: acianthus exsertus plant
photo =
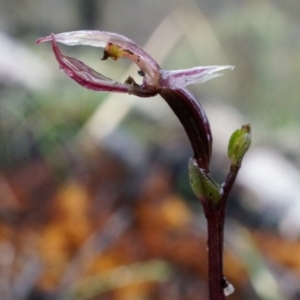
<point>171,86</point>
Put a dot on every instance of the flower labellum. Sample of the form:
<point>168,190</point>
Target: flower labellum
<point>169,84</point>
<point>116,46</point>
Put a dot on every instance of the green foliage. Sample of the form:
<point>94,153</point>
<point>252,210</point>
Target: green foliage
<point>239,143</point>
<point>202,184</point>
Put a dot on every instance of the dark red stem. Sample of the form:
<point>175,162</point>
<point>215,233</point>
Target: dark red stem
<point>215,225</point>
<point>215,216</point>
<point>194,120</point>
<point>227,185</point>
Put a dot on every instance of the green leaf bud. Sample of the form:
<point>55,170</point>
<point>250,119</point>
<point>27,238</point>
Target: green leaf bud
<point>202,184</point>
<point>239,143</point>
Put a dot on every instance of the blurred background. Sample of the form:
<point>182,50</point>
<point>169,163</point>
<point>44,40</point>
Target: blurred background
<point>95,201</point>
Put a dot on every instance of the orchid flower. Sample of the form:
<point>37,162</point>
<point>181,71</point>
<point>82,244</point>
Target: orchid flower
<point>169,84</point>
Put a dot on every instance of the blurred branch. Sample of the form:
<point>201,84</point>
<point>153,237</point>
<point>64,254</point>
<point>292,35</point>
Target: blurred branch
<point>136,273</point>
<point>263,281</point>
<point>88,13</point>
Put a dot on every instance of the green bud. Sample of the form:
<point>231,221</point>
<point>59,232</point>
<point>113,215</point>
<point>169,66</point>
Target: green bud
<point>202,184</point>
<point>239,143</point>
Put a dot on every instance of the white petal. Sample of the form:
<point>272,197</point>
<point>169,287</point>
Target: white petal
<point>181,78</point>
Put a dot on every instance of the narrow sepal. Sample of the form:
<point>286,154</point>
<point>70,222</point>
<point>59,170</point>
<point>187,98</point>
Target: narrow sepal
<point>181,78</point>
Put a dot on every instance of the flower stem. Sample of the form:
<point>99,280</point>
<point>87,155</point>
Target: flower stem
<point>215,216</point>
<point>215,223</point>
